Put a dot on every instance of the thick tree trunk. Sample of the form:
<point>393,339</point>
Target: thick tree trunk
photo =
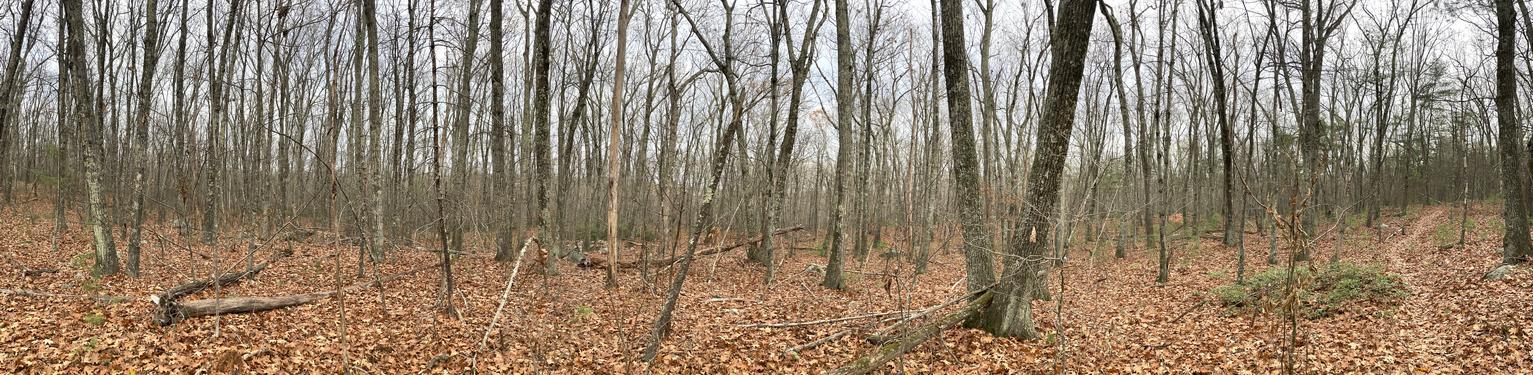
<point>624,14</point>
<point>89,121</point>
<point>844,143</point>
<point>1011,313</point>
<point>1214,59</point>
<point>971,212</point>
<point>540,120</point>
<point>503,185</point>
<point>1514,241</point>
<point>374,163</point>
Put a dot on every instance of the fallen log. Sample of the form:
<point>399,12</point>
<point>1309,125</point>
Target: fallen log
<point>826,321</point>
<point>716,250</point>
<point>168,312</point>
<point>38,294</point>
<point>894,348</point>
<point>38,272</point>
<point>226,279</point>
<point>894,331</point>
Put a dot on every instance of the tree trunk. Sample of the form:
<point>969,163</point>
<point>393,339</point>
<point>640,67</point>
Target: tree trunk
<point>624,14</point>
<point>971,212</point>
<point>1515,243</point>
<point>835,262</point>
<point>1214,58</point>
<point>89,121</point>
<point>1011,313</point>
<point>141,155</point>
<point>10,100</point>
<point>503,185</point>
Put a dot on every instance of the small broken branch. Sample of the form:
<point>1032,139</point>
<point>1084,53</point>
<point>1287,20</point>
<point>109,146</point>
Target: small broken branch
<point>818,342</point>
<point>226,279</point>
<point>1187,311</point>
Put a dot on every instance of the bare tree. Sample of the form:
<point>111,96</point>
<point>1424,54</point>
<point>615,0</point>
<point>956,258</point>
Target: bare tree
<point>844,142</point>
<point>979,267</point>
<point>145,98</point>
<point>10,101</point>
<point>1010,314</point>
<point>1515,247</point>
<point>88,121</point>
<point>624,14</point>
<point>724,60</point>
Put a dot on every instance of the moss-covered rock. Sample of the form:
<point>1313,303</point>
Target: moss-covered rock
<point>1319,292</point>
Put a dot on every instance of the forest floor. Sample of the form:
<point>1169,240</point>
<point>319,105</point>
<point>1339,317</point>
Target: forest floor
<point>1115,319</point>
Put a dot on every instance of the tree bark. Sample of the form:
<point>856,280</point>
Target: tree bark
<point>89,121</point>
<point>1515,245</point>
<point>141,154</point>
<point>624,14</point>
<point>1011,313</point>
<point>10,101</point>
<point>1214,59</point>
<point>844,143</point>
<point>979,267</point>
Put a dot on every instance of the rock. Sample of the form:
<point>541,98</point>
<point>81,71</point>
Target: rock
<point>815,269</point>
<point>1498,273</point>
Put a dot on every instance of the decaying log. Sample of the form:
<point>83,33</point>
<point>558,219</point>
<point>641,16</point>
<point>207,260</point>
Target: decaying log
<point>38,272</point>
<point>38,294</point>
<point>827,321</point>
<point>716,250</point>
<point>226,279</point>
<point>168,312</point>
<point>818,342</point>
<point>893,331</point>
<point>894,348</point>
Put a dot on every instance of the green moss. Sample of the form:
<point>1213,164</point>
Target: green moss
<point>1447,232</point>
<point>1330,290</point>
<point>82,260</point>
<point>95,319</point>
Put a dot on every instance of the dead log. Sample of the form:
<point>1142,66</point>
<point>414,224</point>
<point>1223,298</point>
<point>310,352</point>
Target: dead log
<point>168,312</point>
<point>226,279</point>
<point>894,331</point>
<point>894,348</point>
<point>39,294</point>
<point>827,321</point>
<point>716,250</point>
<point>38,272</point>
